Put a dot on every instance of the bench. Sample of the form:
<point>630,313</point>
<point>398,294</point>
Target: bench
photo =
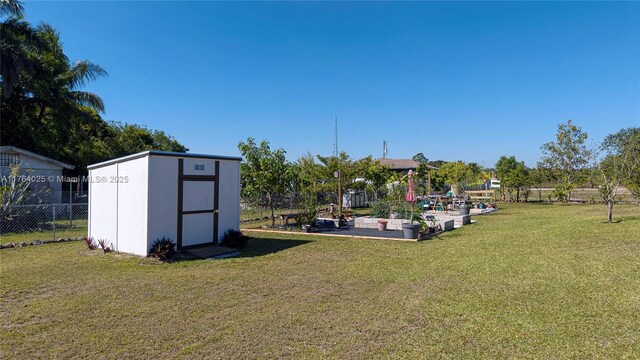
<point>284,218</point>
<point>481,195</point>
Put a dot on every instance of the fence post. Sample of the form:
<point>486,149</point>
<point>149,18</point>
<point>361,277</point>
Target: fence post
<point>70,208</point>
<point>54,222</point>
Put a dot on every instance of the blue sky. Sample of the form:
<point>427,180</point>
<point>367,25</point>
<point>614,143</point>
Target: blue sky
<point>457,81</point>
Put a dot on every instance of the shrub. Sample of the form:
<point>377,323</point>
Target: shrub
<point>104,245</point>
<point>562,192</point>
<point>308,210</point>
<point>234,239</point>
<point>162,249</point>
<point>90,244</point>
<point>381,209</point>
<point>402,211</point>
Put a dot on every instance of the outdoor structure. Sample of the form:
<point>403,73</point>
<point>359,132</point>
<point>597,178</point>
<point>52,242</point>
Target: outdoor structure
<point>189,198</point>
<point>354,199</point>
<point>403,164</point>
<point>45,172</point>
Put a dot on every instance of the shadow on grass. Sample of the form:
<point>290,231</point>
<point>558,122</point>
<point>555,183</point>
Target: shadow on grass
<point>255,247</point>
<point>622,219</point>
<point>265,246</point>
<point>630,218</point>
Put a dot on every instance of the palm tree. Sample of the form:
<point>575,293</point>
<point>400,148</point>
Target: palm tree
<point>41,90</point>
<point>60,82</point>
<point>11,8</point>
<point>18,44</point>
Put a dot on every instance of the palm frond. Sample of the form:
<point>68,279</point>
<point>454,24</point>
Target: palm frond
<point>82,72</point>
<point>51,40</point>
<point>11,8</point>
<point>88,99</point>
<point>18,42</point>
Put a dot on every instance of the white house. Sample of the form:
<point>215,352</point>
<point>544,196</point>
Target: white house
<point>190,198</point>
<point>45,173</point>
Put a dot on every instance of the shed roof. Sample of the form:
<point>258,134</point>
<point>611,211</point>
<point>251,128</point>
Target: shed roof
<point>8,148</point>
<point>162,153</point>
<point>402,164</point>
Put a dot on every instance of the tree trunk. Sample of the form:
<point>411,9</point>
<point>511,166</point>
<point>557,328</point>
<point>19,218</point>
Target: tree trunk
<point>273,216</point>
<point>610,211</point>
<point>43,108</point>
<point>518,195</point>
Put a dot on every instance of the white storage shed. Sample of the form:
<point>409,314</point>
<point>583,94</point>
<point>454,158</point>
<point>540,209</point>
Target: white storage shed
<point>190,198</point>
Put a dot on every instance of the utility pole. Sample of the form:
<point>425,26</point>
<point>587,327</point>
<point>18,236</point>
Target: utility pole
<point>335,136</point>
<point>338,175</point>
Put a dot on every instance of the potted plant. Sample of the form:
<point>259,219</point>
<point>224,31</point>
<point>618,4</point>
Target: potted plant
<point>410,230</point>
<point>464,209</point>
<point>431,224</point>
<point>382,224</point>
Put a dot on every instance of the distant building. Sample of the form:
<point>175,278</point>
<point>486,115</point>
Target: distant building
<point>44,172</point>
<point>402,164</point>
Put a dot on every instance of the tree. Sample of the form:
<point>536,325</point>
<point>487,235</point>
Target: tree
<point>349,169</point>
<point>619,166</point>
<point>419,157</point>
<point>520,180</point>
<point>18,45</point>
<point>436,163</point>
<point>42,100</point>
<point>421,178</point>
<point>58,90</point>
<point>504,167</point>
<point>376,175</point>
<point>566,157</point>
<point>18,42</point>
<point>124,139</point>
<point>540,176</point>
<point>305,174</point>
<point>513,174</point>
<point>11,8</point>
<point>264,172</point>
<point>44,104</point>
<point>457,174</point>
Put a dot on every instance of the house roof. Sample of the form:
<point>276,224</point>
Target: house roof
<point>8,148</point>
<point>162,153</point>
<point>402,164</point>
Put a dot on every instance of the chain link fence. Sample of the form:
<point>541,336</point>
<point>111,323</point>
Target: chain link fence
<point>28,222</point>
<point>254,213</point>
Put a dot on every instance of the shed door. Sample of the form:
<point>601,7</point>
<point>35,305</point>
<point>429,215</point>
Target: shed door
<point>197,202</point>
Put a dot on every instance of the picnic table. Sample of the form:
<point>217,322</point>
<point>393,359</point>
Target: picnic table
<point>284,218</point>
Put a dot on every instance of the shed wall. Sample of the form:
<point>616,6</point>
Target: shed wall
<point>163,198</point>
<point>103,204</point>
<point>229,213</point>
<point>132,179</point>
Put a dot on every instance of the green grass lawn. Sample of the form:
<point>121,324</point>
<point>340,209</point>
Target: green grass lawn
<point>531,281</point>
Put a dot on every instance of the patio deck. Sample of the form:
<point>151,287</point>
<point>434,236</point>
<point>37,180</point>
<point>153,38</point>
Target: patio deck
<point>362,232</point>
<point>350,232</point>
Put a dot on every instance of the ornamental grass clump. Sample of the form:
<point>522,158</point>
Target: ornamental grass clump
<point>163,249</point>
<point>234,239</point>
<point>90,244</point>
